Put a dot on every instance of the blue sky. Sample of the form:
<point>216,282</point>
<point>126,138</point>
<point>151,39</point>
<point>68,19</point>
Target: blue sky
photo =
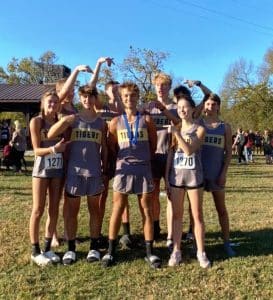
<point>202,37</point>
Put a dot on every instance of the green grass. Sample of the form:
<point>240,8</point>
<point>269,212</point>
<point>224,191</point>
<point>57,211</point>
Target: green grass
<point>248,276</point>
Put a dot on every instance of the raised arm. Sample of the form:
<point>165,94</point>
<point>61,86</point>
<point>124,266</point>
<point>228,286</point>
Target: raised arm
<point>61,126</point>
<point>93,81</point>
<point>190,148</point>
<point>70,82</point>
<point>166,112</point>
<point>204,89</point>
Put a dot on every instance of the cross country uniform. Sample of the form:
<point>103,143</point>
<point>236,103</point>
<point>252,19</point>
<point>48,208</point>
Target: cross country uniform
<point>107,115</point>
<point>50,165</point>
<point>163,137</point>
<point>186,170</point>
<point>213,153</point>
<point>84,175</point>
<point>133,167</point>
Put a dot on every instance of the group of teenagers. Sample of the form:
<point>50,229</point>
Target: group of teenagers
<point>77,153</point>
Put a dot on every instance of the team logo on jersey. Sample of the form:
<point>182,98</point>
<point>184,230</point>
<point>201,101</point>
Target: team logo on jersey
<point>161,121</point>
<point>43,136</point>
<point>214,140</point>
<point>86,134</point>
<point>123,137</point>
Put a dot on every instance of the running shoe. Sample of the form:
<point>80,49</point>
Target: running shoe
<point>52,256</point>
<point>175,259</point>
<point>203,260</point>
<point>40,260</point>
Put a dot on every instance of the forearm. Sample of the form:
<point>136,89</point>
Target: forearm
<point>94,79</point>
<point>69,84</point>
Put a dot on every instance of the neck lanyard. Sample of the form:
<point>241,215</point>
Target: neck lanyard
<point>132,136</point>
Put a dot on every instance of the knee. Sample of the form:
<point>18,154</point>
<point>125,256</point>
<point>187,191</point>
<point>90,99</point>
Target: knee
<point>37,213</point>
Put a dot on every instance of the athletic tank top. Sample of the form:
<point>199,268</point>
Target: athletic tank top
<point>50,165</point>
<point>107,114</point>
<point>186,170</point>
<point>162,125</point>
<point>85,147</point>
<point>131,158</point>
<point>65,112</point>
<point>213,151</point>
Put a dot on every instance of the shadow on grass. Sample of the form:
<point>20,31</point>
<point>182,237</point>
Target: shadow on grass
<point>247,243</point>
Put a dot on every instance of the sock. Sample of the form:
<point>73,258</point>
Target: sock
<point>149,248</point>
<point>112,247</point>
<point>48,244</point>
<point>156,229</point>
<point>35,249</point>
<point>94,243</point>
<point>72,245</point>
<point>126,228</point>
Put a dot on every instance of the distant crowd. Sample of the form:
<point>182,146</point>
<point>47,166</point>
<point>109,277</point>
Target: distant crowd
<point>247,143</point>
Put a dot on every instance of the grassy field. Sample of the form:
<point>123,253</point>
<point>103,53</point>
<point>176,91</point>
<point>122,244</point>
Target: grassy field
<point>247,276</point>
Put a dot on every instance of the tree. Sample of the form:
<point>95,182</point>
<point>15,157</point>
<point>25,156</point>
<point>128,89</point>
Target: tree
<point>140,66</point>
<point>27,70</point>
<point>247,96</point>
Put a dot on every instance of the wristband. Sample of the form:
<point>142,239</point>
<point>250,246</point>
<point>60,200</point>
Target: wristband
<point>53,150</point>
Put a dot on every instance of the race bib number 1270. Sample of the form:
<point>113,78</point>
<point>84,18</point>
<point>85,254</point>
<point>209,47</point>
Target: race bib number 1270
<point>54,161</point>
<point>183,161</point>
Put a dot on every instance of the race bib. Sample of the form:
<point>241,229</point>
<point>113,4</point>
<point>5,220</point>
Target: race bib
<point>183,161</point>
<point>54,161</point>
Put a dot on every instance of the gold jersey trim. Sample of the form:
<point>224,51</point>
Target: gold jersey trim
<point>142,135</point>
<point>86,135</point>
<point>215,140</point>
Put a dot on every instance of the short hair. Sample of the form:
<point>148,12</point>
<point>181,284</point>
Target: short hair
<point>181,89</point>
<point>131,86</point>
<point>213,97</point>
<point>109,83</point>
<point>88,90</point>
<point>165,78</point>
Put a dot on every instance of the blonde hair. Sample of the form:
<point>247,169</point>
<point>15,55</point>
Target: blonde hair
<point>17,124</point>
<point>131,86</point>
<point>163,77</point>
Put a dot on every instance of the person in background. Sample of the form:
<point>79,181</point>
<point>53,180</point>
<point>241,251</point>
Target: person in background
<point>19,146</point>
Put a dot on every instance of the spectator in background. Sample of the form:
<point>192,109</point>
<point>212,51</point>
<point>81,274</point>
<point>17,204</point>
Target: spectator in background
<point>5,134</point>
<point>239,144</point>
<point>258,142</point>
<point>19,146</point>
<point>267,146</point>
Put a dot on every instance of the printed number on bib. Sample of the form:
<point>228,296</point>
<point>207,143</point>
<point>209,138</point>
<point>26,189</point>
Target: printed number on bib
<point>54,161</point>
<point>183,161</point>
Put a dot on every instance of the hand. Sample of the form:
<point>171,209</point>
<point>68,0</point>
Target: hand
<point>189,82</point>
<point>174,129</point>
<point>61,145</point>
<point>108,60</point>
<point>159,105</point>
<point>84,68</point>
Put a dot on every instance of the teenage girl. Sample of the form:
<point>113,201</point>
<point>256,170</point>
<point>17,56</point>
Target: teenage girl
<point>47,176</point>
